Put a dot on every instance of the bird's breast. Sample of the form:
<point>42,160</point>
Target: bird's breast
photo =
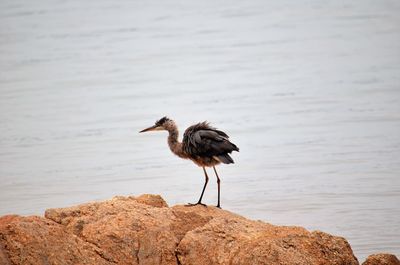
<point>205,161</point>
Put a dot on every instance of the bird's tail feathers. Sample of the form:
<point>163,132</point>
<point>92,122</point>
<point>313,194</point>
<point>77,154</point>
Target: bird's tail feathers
<point>226,159</point>
<point>235,148</point>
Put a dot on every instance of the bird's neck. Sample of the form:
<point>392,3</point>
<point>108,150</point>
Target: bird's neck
<point>173,142</point>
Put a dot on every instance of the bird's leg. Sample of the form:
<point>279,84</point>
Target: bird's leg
<point>202,193</point>
<point>218,182</point>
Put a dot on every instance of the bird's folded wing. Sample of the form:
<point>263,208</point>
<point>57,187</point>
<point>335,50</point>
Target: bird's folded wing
<point>212,135</point>
<point>210,142</point>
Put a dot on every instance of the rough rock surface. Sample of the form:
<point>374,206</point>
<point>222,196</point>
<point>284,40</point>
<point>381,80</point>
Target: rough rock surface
<point>382,259</point>
<point>144,230</point>
<point>36,240</point>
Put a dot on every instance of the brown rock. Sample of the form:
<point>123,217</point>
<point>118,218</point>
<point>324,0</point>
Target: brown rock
<point>240,241</point>
<point>381,259</point>
<point>144,230</point>
<point>36,240</point>
<point>129,230</point>
<point>153,200</point>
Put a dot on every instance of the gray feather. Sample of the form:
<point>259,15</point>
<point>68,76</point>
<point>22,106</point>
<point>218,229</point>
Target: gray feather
<point>226,159</point>
<point>202,140</point>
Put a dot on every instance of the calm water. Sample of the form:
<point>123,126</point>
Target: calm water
<point>309,91</point>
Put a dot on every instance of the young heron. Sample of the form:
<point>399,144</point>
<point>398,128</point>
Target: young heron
<point>204,145</point>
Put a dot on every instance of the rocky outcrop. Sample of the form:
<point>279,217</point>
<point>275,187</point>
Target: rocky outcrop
<point>382,259</point>
<point>144,230</point>
<point>36,240</point>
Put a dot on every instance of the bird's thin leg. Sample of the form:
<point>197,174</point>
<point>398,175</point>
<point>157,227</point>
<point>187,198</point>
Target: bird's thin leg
<point>205,185</point>
<point>219,185</point>
<point>204,188</point>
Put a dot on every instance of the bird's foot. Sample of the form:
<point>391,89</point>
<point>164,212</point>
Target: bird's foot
<point>218,206</point>
<point>194,204</point>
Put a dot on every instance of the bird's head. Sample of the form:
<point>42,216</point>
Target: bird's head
<point>162,124</point>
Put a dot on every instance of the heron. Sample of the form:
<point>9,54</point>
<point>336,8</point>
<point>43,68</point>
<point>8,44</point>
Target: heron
<point>205,145</point>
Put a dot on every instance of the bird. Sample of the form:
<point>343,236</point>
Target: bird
<point>205,145</point>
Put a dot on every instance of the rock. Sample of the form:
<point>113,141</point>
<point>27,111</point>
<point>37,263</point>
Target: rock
<point>381,259</point>
<point>36,240</point>
<point>228,240</point>
<point>130,230</point>
<point>153,200</point>
<point>144,230</point>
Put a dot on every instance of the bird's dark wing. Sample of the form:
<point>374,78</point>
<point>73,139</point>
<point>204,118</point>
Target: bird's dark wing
<point>205,141</point>
<point>199,136</point>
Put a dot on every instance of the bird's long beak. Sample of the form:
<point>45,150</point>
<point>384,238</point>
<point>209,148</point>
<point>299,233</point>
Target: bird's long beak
<point>152,128</point>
